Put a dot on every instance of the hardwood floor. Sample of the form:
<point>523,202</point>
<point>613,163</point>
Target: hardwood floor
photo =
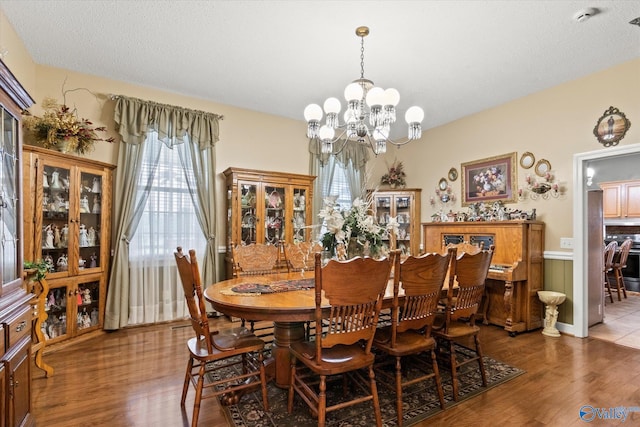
<point>133,377</point>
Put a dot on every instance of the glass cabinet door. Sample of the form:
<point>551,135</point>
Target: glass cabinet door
<point>274,217</point>
<point>90,220</point>
<point>56,231</point>
<point>403,215</point>
<point>299,219</point>
<point>383,213</point>
<point>9,201</point>
<point>55,305</point>
<point>248,213</point>
<point>88,304</point>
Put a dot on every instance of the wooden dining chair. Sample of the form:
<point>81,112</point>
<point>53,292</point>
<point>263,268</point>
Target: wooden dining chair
<point>457,322</point>
<point>301,256</point>
<point>348,296</point>
<point>254,259</point>
<point>212,351</point>
<point>409,335</point>
<point>609,254</point>
<point>468,248</point>
<point>619,264</point>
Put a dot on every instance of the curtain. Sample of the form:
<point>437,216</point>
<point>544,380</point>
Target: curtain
<point>351,154</point>
<point>198,132</point>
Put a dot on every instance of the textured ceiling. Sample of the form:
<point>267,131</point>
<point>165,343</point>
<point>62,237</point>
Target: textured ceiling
<point>452,58</point>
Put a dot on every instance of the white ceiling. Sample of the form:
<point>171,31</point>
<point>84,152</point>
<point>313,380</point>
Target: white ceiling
<point>452,58</point>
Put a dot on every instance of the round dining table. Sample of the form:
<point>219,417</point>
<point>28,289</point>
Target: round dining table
<point>289,310</point>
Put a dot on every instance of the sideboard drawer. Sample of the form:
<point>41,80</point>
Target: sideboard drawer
<point>18,325</point>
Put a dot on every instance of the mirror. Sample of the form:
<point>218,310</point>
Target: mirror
<point>453,174</point>
<point>542,167</point>
<point>611,127</point>
<point>527,160</point>
<point>442,184</point>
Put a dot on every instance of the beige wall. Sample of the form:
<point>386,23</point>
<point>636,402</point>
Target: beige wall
<point>552,124</point>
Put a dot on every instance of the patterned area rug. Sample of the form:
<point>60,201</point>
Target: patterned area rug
<point>420,400</point>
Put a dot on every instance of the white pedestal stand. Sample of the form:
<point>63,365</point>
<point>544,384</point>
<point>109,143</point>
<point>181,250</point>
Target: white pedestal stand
<point>552,300</point>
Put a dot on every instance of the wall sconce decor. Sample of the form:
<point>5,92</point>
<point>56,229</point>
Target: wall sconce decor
<point>590,174</point>
<point>544,188</point>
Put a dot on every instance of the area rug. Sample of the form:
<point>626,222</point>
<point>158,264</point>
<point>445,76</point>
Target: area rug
<point>420,400</point>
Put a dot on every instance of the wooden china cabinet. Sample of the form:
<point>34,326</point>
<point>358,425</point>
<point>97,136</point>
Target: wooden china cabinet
<point>16,313</point>
<point>404,205</point>
<point>266,207</point>
<point>67,224</point>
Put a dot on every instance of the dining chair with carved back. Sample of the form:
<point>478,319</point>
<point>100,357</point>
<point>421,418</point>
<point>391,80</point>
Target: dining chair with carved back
<point>256,259</point>
<point>348,297</point>
<point>457,322</point>
<point>409,336</point>
<point>227,348</point>
<point>619,264</point>
<point>609,253</point>
<point>300,256</point>
<point>468,248</point>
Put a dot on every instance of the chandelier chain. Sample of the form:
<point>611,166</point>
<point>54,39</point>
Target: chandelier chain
<point>362,57</point>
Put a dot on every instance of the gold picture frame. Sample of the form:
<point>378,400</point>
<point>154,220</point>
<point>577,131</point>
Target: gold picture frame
<point>490,180</point>
<point>611,127</point>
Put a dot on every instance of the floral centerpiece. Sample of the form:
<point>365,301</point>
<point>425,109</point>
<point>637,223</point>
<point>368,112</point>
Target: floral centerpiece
<point>61,128</point>
<point>395,177</point>
<point>354,230</point>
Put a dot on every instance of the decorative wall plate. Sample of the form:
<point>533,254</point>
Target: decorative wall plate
<point>527,160</point>
<point>442,184</point>
<point>611,127</point>
<point>542,167</point>
<point>453,174</point>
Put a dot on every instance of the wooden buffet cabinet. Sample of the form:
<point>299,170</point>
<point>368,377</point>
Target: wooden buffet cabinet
<point>16,311</point>
<point>516,272</point>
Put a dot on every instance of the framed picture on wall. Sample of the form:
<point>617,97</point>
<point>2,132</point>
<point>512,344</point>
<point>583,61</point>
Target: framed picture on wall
<point>490,180</point>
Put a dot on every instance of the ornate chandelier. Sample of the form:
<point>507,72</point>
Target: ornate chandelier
<point>370,112</point>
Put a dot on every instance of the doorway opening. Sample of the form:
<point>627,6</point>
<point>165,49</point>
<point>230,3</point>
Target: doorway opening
<point>581,162</point>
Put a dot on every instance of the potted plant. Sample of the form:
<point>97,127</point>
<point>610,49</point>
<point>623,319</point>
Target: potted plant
<point>60,128</point>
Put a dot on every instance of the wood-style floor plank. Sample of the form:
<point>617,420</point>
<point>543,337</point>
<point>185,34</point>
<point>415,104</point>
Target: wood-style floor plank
<point>133,377</point>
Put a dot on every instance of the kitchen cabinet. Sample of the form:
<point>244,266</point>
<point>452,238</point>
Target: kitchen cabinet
<point>621,199</point>
<point>67,207</point>
<point>404,205</point>
<point>267,208</point>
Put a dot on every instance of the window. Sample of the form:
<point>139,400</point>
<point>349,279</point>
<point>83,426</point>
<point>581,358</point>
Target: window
<point>169,217</point>
<point>340,187</point>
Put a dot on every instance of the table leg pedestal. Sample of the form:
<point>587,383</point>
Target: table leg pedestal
<point>284,334</point>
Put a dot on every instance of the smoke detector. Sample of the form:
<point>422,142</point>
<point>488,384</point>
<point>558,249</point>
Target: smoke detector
<point>584,14</point>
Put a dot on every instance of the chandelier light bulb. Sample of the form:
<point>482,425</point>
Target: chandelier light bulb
<point>313,112</point>
<point>326,133</point>
<point>414,115</point>
<point>353,92</point>
<point>391,97</point>
<point>375,96</point>
<point>332,105</point>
